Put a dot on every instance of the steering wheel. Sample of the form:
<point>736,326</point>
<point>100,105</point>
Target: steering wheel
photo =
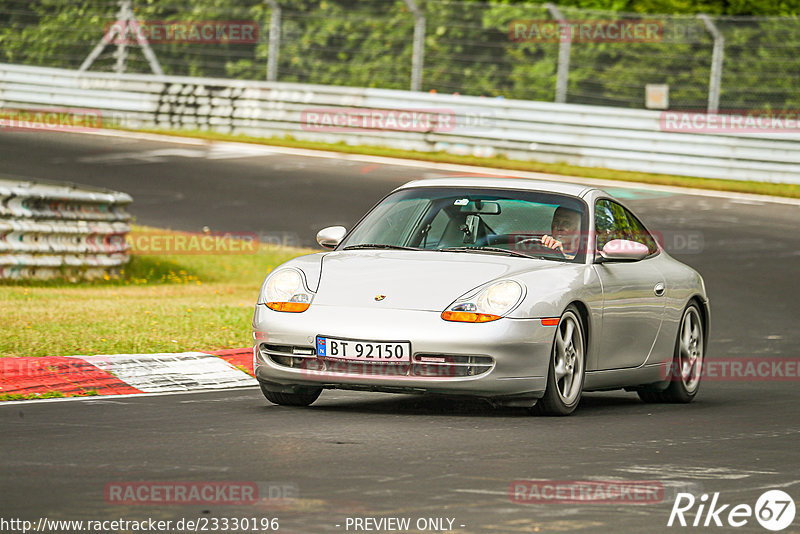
<point>538,240</point>
<point>519,239</point>
<point>504,239</point>
<point>533,239</point>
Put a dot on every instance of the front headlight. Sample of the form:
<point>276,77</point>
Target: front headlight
<point>286,292</point>
<point>489,304</point>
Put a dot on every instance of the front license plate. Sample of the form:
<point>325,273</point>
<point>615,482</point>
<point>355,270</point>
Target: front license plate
<point>365,351</point>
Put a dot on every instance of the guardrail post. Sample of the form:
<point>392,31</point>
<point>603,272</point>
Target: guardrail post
<point>418,52</point>
<point>564,47</point>
<point>274,40</point>
<point>718,54</point>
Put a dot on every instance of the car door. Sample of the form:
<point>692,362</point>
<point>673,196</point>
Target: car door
<point>633,291</point>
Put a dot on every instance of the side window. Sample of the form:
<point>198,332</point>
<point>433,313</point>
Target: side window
<point>396,219</point>
<point>610,222</point>
<point>640,233</point>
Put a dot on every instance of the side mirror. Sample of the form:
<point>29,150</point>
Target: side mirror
<point>331,236</point>
<point>624,250</point>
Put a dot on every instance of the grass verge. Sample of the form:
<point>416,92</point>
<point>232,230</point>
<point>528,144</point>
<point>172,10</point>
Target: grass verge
<point>45,395</point>
<point>499,162</point>
<point>159,303</point>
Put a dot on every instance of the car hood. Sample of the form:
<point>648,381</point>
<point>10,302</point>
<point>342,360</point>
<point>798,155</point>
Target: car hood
<point>412,280</point>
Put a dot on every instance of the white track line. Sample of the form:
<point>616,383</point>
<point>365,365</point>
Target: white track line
<point>112,398</point>
<point>450,167</point>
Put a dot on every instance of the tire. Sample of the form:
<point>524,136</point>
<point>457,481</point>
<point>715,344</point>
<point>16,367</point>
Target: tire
<point>567,359</point>
<point>301,397</point>
<point>686,368</point>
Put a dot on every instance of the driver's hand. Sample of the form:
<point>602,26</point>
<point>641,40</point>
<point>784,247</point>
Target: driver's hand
<point>552,242</point>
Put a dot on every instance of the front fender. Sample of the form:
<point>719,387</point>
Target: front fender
<point>550,291</point>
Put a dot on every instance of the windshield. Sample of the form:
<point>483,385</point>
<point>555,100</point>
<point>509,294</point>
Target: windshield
<point>531,223</point>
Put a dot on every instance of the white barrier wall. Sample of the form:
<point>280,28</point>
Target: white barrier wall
<point>57,230</point>
<point>589,136</point>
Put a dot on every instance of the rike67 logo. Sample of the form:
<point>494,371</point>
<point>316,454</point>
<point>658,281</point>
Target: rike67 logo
<point>774,510</point>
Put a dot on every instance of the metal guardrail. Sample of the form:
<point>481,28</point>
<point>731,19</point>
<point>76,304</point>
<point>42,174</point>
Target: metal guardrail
<point>590,136</point>
<point>49,230</point>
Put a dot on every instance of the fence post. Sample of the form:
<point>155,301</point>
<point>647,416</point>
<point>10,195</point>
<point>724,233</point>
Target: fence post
<point>274,40</point>
<point>121,54</point>
<point>418,53</point>
<point>718,54</point>
<point>564,46</point>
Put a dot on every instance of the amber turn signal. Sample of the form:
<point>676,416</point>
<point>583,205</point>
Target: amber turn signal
<point>293,307</point>
<point>468,317</point>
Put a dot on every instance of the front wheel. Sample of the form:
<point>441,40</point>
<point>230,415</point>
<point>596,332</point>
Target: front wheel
<point>567,367</point>
<point>686,367</point>
<point>301,397</point>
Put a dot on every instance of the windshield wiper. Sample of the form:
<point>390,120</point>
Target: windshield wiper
<point>378,245</point>
<point>487,249</point>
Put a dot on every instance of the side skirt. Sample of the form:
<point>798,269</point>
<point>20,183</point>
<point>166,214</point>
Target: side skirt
<point>651,376</point>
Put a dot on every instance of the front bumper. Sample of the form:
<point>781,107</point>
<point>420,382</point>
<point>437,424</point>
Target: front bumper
<point>512,354</point>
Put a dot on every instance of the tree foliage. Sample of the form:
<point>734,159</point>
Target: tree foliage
<point>368,43</point>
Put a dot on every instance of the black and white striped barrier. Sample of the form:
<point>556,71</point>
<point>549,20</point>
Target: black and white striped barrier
<point>49,231</point>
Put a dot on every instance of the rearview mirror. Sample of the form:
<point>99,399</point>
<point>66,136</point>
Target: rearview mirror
<point>481,207</point>
<point>624,250</point>
<point>331,236</point>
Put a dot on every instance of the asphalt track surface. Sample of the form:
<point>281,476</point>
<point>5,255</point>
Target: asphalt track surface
<point>378,455</point>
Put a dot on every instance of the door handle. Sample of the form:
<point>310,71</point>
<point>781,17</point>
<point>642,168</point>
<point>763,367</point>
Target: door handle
<point>659,289</point>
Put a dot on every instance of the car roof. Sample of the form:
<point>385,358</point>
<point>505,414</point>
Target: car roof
<point>564,188</point>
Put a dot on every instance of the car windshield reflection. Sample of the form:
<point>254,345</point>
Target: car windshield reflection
<point>517,223</point>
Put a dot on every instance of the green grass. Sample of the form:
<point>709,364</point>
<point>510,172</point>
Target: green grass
<point>171,303</point>
<point>499,162</point>
<point>45,395</point>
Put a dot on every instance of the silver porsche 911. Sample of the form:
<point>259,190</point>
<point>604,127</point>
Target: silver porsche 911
<point>525,293</point>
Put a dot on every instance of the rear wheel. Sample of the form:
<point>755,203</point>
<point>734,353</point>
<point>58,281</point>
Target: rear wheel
<point>301,397</point>
<point>686,368</point>
<point>567,366</point>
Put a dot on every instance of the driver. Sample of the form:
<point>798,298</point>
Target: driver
<point>566,232</point>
